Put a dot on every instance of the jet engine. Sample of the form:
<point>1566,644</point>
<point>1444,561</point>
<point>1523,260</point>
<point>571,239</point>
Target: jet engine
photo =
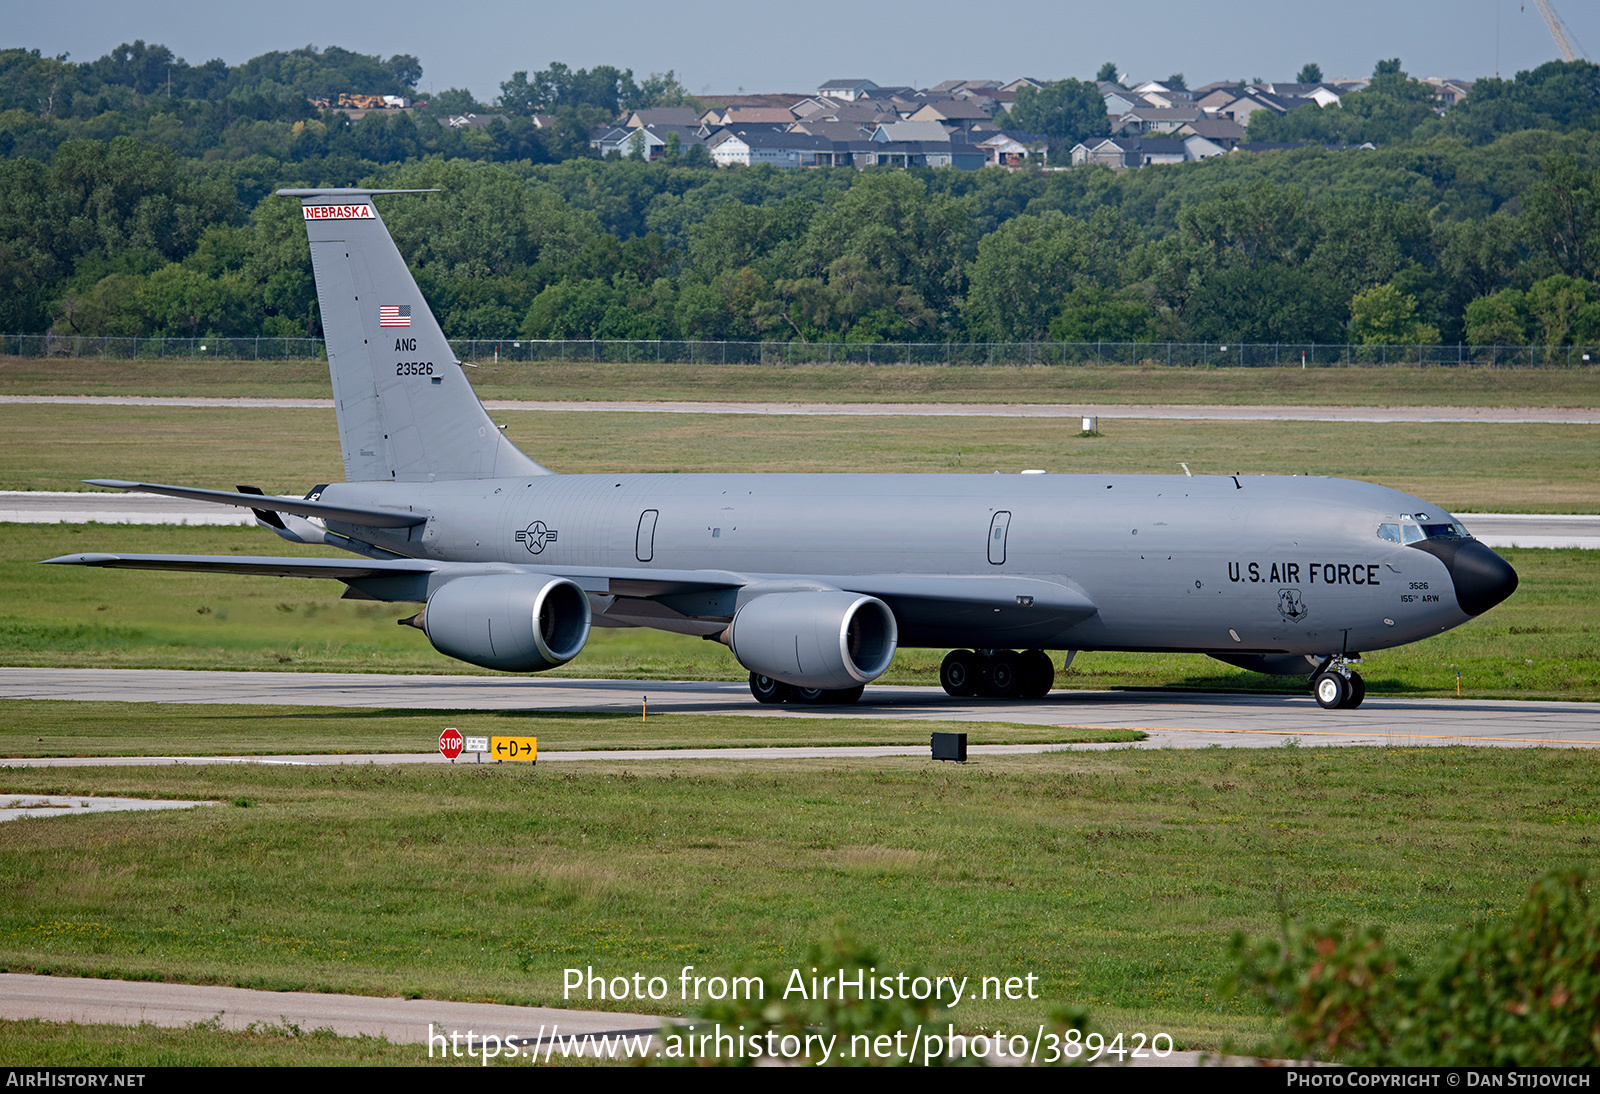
<point>815,638</point>
<point>516,622</point>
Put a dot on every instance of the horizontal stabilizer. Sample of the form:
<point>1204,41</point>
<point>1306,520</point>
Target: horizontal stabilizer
<point>300,507</point>
<point>256,565</point>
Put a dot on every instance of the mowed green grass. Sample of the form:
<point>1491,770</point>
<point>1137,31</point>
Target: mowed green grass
<point>68,728</point>
<point>1116,877</point>
<point>1394,386</point>
<point>35,1043</point>
<point>1464,467</point>
<point>1542,643</point>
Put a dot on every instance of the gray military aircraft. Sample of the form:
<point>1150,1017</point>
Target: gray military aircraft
<point>815,580</point>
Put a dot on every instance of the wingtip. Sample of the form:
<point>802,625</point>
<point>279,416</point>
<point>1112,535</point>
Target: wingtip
<point>78,560</point>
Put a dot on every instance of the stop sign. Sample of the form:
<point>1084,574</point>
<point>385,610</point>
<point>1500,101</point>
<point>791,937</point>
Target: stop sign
<point>450,743</point>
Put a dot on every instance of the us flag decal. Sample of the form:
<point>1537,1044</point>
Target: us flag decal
<point>394,315</point>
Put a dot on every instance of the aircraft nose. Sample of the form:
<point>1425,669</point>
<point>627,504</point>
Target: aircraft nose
<point>1482,578</point>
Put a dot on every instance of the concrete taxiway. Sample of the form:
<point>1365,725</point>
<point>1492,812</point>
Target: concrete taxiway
<point>1171,719</point>
<point>401,1021</point>
<point>17,806</point>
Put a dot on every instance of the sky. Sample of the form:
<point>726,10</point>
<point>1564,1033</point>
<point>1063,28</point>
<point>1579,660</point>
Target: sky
<point>719,46</point>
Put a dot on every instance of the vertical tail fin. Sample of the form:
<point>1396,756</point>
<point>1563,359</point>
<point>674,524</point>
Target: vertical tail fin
<point>406,412</point>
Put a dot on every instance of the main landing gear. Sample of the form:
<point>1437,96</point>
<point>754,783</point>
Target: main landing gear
<point>768,690</point>
<point>1338,687</point>
<point>998,674</point>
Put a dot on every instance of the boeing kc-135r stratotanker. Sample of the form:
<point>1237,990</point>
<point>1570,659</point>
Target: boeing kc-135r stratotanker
<point>815,580</point>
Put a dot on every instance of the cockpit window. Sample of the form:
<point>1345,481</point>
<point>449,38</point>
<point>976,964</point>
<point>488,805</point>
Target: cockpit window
<point>1408,533</point>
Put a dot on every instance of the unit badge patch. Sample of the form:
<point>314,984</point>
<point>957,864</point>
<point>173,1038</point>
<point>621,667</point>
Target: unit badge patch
<point>1290,606</point>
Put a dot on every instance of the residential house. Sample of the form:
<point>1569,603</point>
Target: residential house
<point>472,121</point>
<point>960,113</point>
<point>848,90</point>
<point>664,115</point>
<point>1150,119</point>
<point>910,131</point>
<point>1014,148</point>
<point>1223,133</point>
<point>1448,92</point>
<point>1321,94</point>
<point>1119,100</point>
<point>1129,151</point>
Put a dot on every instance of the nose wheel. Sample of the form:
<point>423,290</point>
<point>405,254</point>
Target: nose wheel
<point>1337,687</point>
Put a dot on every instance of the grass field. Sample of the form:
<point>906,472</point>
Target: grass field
<point>1397,386</point>
<point>1465,467</point>
<point>1117,877</point>
<point>67,728</point>
<point>71,1044</point>
<point>1542,643</point>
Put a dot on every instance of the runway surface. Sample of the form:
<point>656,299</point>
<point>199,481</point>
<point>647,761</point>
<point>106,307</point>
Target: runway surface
<point>1170,412</point>
<point>1171,719</point>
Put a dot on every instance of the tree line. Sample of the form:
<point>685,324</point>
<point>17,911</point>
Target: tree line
<point>1421,240</point>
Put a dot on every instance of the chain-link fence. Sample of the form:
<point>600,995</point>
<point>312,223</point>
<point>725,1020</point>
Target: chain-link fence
<point>690,352</point>
<point>161,349</point>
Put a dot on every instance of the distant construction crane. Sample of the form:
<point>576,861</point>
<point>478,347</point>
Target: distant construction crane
<point>1558,31</point>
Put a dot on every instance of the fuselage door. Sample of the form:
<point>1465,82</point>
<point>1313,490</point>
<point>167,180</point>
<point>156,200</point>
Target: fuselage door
<point>644,541</point>
<point>997,537</point>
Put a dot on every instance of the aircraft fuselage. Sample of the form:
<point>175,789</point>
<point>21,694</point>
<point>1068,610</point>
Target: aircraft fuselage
<point>1271,565</point>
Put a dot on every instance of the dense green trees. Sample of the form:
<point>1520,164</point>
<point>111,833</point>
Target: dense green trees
<point>1391,108</point>
<point>1463,235</point>
<point>1066,111</point>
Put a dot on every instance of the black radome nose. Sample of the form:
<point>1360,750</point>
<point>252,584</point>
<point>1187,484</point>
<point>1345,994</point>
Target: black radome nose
<point>1481,577</point>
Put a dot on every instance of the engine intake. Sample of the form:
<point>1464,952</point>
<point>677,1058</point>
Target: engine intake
<point>815,638</point>
<point>515,622</point>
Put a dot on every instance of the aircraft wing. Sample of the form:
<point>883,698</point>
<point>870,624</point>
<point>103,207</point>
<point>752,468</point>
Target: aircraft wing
<point>679,594</point>
<point>300,507</point>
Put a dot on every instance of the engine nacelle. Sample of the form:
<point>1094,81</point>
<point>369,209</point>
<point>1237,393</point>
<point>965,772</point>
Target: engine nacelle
<point>515,622</point>
<point>815,638</point>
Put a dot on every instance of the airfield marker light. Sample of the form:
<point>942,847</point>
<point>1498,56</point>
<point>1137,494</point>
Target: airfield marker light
<point>644,708</point>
